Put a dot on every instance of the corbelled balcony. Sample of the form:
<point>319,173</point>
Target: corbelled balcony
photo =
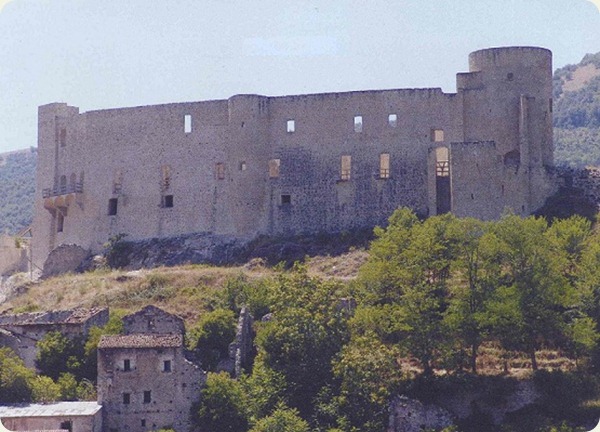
<point>61,196</point>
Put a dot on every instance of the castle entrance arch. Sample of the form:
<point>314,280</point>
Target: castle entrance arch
<point>443,194</point>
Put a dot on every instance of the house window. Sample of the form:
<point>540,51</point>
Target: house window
<point>243,166</point>
<point>510,76</point>
<point>112,206</point>
<point>67,425</point>
<point>346,167</point>
<point>291,126</point>
<point>274,168</point>
<point>358,123</point>
<point>384,166</point>
<point>167,201</point>
<point>126,365</point>
<point>393,120</point>
<point>187,123</point>
<point>147,396</point>
<point>143,422</point>
<point>167,366</point>
<point>126,398</point>
<point>437,135</point>
<point>220,171</point>
<point>286,199</point>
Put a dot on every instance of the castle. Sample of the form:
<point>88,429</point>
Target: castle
<point>252,164</point>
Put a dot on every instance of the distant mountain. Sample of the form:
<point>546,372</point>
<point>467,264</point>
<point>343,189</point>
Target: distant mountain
<point>576,95</point>
<point>17,186</point>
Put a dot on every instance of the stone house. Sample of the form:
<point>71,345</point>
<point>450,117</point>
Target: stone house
<point>253,165</point>
<point>146,383</point>
<point>59,416</point>
<point>21,332</point>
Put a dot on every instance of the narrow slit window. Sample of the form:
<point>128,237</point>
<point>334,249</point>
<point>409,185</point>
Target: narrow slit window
<point>63,137</point>
<point>358,124</point>
<point>550,105</point>
<point>291,126</point>
<point>167,201</point>
<point>384,166</point>
<point>112,206</point>
<point>437,135</point>
<point>147,396</point>
<point>393,120</point>
<point>346,167</point>
<point>126,365</point>
<point>220,171</point>
<point>60,222</point>
<point>167,366</point>
<point>274,168</point>
<point>165,184</point>
<point>126,398</point>
<point>187,123</point>
<point>286,199</point>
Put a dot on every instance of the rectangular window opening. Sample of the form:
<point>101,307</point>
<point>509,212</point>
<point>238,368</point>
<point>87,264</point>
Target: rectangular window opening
<point>437,135</point>
<point>167,366</point>
<point>167,201</point>
<point>126,398</point>
<point>126,365</point>
<point>243,166</point>
<point>112,206</point>
<point>63,137</point>
<point>147,396</point>
<point>346,167</point>
<point>143,422</point>
<point>358,124</point>
<point>393,120</point>
<point>291,126</point>
<point>550,104</point>
<point>274,165</point>
<point>220,171</point>
<point>286,199</point>
<point>187,123</point>
<point>60,222</point>
<point>384,166</point>
<point>67,425</point>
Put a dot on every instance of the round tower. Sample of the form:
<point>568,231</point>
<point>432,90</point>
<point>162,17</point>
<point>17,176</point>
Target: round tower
<point>514,104</point>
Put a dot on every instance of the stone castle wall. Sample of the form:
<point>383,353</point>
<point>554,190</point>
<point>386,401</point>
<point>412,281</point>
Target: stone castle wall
<point>288,165</point>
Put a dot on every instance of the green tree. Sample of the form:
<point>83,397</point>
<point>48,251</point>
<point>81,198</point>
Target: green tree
<point>283,419</point>
<point>369,376</point>
<point>307,331</point>
<point>58,354</point>
<point>223,406</point>
<point>90,349</point>
<point>530,304</point>
<point>44,390</point>
<point>14,378</point>
<point>68,386</point>
<point>212,336</point>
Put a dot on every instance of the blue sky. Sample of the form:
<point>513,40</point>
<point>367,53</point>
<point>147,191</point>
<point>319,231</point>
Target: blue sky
<point>98,54</point>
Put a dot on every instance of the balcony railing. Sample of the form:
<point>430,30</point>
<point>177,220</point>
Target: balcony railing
<point>62,190</point>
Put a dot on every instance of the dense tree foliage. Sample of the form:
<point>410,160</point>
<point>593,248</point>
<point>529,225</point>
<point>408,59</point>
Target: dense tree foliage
<point>17,186</point>
<point>211,337</point>
<point>577,117</point>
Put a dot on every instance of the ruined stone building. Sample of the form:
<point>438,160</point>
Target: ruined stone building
<point>286,165</point>
<point>21,332</point>
<point>145,381</point>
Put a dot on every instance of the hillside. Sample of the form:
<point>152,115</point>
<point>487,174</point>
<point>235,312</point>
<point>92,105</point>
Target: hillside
<point>17,187</point>
<point>577,113</point>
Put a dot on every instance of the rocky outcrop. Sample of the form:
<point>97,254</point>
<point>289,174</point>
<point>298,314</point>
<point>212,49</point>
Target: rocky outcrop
<point>410,415</point>
<point>63,259</point>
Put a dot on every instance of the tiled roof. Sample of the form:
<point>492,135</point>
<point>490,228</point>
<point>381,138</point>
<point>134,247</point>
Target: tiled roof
<point>49,410</point>
<point>141,341</point>
<point>72,316</point>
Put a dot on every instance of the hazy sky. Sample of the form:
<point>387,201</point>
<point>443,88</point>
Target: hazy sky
<point>109,53</point>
